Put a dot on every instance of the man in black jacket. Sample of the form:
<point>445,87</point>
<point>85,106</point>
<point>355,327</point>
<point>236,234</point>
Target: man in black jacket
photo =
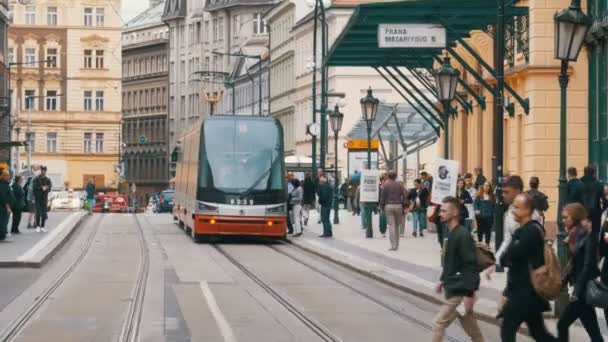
<point>325,200</point>
<point>592,196</point>
<point>459,278</point>
<point>574,187</point>
<point>525,251</point>
<point>42,187</point>
<point>6,200</point>
<point>18,204</point>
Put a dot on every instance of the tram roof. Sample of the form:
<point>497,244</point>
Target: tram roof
<point>357,45</point>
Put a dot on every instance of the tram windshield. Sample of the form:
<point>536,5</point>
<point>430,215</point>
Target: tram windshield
<point>241,156</point>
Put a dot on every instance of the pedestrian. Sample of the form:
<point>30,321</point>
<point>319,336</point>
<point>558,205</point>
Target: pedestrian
<point>459,277</point>
<point>90,190</point>
<point>480,179</point>
<point>513,186</point>
<point>393,199</point>
<point>30,202</point>
<point>574,187</point>
<point>427,181</point>
<point>382,224</point>
<point>465,201</point>
<point>42,187</point>
<point>539,198</point>
<point>325,200</point>
<point>524,252</point>
<point>603,252</point>
<point>295,201</point>
<point>484,205</point>
<point>418,206</point>
<point>470,187</point>
<point>593,191</point>
<point>308,199</point>
<point>582,250</point>
<point>18,204</point>
<point>6,199</point>
<point>605,199</point>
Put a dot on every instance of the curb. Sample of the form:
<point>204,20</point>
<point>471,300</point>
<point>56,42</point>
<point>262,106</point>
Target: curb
<point>49,255</point>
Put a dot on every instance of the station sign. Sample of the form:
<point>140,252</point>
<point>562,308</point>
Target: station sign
<point>361,144</point>
<point>411,36</point>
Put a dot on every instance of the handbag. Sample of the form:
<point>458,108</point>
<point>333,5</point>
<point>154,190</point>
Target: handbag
<point>597,294</point>
<point>485,257</point>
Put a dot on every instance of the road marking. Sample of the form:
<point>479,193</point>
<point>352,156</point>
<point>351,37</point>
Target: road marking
<point>220,319</point>
<point>65,224</point>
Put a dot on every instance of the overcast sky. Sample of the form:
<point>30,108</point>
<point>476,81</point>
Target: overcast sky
<point>131,8</point>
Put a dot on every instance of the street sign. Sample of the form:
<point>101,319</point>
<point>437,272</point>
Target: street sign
<point>143,139</point>
<point>411,36</point>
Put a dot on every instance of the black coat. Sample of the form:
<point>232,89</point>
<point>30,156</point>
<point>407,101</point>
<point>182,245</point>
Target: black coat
<point>459,275</point>
<point>603,251</point>
<point>525,250</point>
<point>592,195</point>
<point>574,191</point>
<point>19,196</point>
<point>6,197</point>
<point>309,192</point>
<point>583,265</point>
<point>39,194</point>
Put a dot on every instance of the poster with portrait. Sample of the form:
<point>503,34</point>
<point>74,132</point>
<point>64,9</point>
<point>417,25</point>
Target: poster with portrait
<point>445,177</point>
<point>370,187</point>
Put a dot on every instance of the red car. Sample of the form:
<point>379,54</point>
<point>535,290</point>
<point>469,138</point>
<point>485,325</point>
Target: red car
<point>110,203</point>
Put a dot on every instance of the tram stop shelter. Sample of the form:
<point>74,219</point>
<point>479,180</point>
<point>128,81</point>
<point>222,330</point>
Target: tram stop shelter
<point>395,125</point>
<point>403,40</point>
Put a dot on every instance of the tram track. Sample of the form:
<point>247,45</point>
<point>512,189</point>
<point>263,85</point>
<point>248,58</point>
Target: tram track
<point>323,332</point>
<point>18,324</point>
<point>130,328</point>
<point>409,318</point>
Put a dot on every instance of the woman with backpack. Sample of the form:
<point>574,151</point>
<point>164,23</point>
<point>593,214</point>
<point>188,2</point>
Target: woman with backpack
<point>582,268</point>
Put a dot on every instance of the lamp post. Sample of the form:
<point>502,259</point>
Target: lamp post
<point>369,107</point>
<point>571,26</point>
<point>335,119</point>
<point>446,80</point>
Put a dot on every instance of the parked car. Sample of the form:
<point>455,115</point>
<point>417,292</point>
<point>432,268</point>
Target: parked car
<point>165,204</point>
<point>65,200</point>
<point>110,203</point>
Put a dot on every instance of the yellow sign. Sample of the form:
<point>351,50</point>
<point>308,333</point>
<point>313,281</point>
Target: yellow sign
<point>362,144</point>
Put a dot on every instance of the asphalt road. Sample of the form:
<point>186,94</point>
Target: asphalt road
<point>142,276</point>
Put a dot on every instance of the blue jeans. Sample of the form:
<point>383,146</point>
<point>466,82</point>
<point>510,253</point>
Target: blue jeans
<point>419,220</point>
<point>91,205</point>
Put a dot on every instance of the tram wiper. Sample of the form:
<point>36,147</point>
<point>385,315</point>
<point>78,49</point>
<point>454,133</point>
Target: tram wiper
<point>250,189</point>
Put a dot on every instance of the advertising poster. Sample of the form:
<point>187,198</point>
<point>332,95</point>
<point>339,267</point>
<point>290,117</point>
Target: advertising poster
<point>445,176</point>
<point>369,186</point>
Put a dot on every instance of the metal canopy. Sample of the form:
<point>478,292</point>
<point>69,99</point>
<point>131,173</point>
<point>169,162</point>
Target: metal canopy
<point>358,43</point>
<point>397,123</point>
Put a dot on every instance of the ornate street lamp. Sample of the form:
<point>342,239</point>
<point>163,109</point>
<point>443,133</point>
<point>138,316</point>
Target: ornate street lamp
<point>335,119</point>
<point>369,107</point>
<point>571,27</point>
<point>446,80</point>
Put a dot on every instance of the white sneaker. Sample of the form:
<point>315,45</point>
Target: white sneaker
<point>43,229</point>
<point>8,234</point>
<point>37,229</point>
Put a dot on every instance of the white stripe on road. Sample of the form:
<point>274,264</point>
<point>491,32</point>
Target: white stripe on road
<point>65,224</point>
<point>220,319</point>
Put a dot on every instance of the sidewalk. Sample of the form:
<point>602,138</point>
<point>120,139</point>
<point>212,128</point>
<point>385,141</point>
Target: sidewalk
<point>31,249</point>
<point>414,268</point>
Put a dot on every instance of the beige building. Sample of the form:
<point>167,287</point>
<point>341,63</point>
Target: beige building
<point>68,85</point>
<point>531,140</point>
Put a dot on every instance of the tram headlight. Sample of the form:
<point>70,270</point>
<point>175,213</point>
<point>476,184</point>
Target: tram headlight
<point>276,210</point>
<point>207,208</point>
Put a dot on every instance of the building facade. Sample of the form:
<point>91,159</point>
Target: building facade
<point>5,110</point>
<point>145,151</point>
<point>67,87</point>
<point>237,28</point>
<point>185,21</point>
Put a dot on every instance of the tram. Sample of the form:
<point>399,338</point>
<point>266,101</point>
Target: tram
<point>230,178</point>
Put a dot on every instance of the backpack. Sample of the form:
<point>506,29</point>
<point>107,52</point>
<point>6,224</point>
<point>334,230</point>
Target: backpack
<point>547,279</point>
